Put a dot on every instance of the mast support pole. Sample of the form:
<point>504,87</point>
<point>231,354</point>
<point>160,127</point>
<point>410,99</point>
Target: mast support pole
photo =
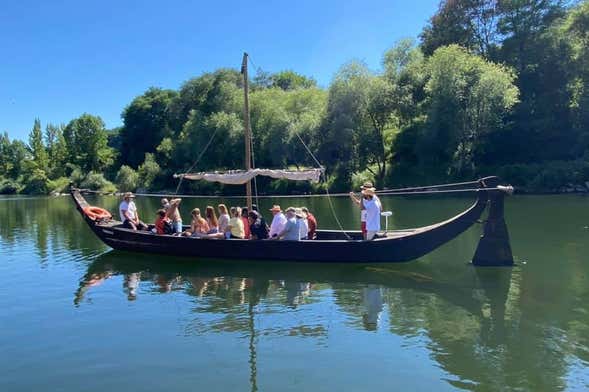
<point>247,129</point>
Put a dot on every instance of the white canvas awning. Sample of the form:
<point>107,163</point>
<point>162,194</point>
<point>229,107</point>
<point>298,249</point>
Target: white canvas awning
<point>238,177</point>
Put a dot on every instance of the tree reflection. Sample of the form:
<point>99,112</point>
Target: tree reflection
<point>50,223</point>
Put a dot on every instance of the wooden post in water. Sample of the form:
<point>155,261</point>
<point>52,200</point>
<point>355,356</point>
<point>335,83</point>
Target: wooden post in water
<point>247,130</point>
<point>494,248</point>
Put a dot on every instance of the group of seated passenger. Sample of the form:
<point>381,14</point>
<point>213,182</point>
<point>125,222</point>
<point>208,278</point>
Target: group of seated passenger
<point>238,222</point>
<point>297,224</point>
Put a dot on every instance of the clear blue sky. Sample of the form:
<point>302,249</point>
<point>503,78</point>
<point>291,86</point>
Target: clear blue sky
<point>60,58</point>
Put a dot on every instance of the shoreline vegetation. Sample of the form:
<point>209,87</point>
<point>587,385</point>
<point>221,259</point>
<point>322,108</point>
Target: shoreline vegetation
<point>490,87</point>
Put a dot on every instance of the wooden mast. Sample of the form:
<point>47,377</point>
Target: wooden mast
<point>247,130</point>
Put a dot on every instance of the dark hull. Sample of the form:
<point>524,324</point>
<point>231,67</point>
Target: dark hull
<point>330,247</point>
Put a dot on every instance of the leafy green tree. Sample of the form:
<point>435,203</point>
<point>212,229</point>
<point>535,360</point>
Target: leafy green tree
<point>467,97</point>
<point>521,24</point>
<point>165,149</point>
<point>96,181</point>
<point>19,155</point>
<point>56,150</point>
<point>405,71</point>
<point>6,163</point>
<point>127,179</point>
<point>37,147</point>
<point>261,80</point>
<point>148,171</point>
<point>361,108</point>
<point>225,150</point>
<point>541,60</point>
<point>145,124</point>
<point>574,32</point>
<point>36,182</point>
<point>290,80</point>
<point>279,117</point>
<point>468,23</point>
<point>86,141</point>
<point>209,93</point>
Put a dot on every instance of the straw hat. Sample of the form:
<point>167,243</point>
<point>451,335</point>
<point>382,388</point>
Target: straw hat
<point>367,185</point>
<point>300,213</point>
<point>128,195</point>
<point>275,208</point>
<point>369,191</point>
<point>291,209</point>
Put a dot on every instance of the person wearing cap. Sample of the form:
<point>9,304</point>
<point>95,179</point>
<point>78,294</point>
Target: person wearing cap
<point>129,214</point>
<point>172,209</point>
<point>373,207</point>
<point>290,232</point>
<point>302,223</point>
<point>278,222</point>
<point>311,223</point>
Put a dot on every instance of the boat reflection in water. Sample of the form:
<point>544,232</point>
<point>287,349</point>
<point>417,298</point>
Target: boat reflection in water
<point>360,291</point>
<point>473,327</point>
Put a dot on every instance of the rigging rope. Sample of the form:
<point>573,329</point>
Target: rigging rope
<point>326,184</point>
<point>386,191</point>
<point>197,159</point>
<point>300,196</point>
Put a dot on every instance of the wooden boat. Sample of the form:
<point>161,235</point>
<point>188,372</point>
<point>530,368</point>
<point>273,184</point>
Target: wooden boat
<point>330,245</point>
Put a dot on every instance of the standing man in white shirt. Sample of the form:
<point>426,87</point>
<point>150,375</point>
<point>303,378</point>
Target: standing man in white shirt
<point>129,214</point>
<point>278,222</point>
<point>360,202</point>
<point>373,208</point>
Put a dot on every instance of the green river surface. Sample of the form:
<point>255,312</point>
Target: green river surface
<point>78,316</point>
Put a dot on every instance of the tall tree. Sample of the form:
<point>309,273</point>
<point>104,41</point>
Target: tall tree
<point>575,33</point>
<point>206,94</point>
<point>87,143</point>
<point>360,108</point>
<point>467,97</point>
<point>468,23</point>
<point>6,163</point>
<point>521,24</point>
<point>37,147</point>
<point>290,80</point>
<point>543,117</point>
<point>56,150</point>
<point>145,124</point>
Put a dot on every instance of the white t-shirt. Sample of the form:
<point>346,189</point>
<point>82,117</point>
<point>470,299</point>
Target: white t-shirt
<point>278,223</point>
<point>303,228</point>
<point>363,211</point>
<point>372,214</point>
<point>130,208</point>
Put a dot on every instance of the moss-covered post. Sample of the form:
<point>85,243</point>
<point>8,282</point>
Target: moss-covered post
<point>494,248</point>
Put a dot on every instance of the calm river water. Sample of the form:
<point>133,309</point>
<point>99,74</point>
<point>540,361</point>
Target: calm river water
<point>77,316</point>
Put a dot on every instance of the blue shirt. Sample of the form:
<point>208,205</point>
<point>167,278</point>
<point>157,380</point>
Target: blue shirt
<point>291,230</point>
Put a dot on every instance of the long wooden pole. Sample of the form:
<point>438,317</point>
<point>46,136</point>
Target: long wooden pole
<point>247,130</point>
